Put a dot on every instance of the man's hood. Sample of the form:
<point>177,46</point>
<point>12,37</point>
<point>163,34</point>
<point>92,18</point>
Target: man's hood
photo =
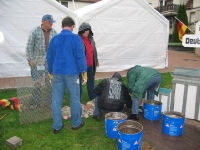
<point>117,75</point>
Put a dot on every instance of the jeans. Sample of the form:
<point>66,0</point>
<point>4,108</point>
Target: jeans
<point>60,83</point>
<point>39,89</point>
<point>80,78</point>
<point>150,87</point>
<point>37,78</point>
<point>90,83</point>
<point>97,111</point>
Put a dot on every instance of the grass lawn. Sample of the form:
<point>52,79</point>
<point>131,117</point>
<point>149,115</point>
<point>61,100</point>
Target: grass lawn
<point>39,136</point>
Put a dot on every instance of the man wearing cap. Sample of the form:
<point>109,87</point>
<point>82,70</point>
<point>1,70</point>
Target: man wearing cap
<point>36,50</point>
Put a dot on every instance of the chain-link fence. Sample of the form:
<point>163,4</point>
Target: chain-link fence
<point>34,96</point>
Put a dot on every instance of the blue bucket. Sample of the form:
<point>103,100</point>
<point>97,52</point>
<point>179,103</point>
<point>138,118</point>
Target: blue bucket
<point>173,123</point>
<point>112,119</point>
<point>152,109</point>
<point>129,135</point>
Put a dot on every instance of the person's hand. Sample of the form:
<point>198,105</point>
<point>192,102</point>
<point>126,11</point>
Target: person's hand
<point>50,78</point>
<point>84,77</point>
<point>131,95</point>
<point>31,63</point>
<point>97,64</point>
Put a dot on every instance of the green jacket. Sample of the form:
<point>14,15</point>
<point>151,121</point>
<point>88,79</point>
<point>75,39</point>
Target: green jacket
<point>138,77</point>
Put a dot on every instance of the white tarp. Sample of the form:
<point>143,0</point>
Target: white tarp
<point>17,19</point>
<point>126,32</point>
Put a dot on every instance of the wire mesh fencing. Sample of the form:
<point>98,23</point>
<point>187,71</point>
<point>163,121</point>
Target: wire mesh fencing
<point>34,96</point>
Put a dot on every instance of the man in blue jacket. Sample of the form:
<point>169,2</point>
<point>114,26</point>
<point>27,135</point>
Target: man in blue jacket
<point>66,60</point>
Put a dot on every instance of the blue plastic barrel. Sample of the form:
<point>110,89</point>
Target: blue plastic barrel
<point>152,110</point>
<point>173,123</point>
<point>112,119</point>
<point>129,135</point>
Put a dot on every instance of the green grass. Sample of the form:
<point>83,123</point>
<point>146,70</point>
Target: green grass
<point>175,44</point>
<point>39,136</point>
<point>166,81</point>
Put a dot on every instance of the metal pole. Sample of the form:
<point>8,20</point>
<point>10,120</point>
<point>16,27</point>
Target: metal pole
<point>185,25</point>
<point>74,5</point>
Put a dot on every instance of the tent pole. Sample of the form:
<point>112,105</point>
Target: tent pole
<point>74,5</point>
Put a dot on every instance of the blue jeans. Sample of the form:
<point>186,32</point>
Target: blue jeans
<point>60,83</point>
<point>80,78</point>
<point>37,77</point>
<point>90,83</point>
<point>97,111</point>
<point>150,87</point>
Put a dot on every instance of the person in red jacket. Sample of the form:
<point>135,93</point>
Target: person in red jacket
<point>86,34</point>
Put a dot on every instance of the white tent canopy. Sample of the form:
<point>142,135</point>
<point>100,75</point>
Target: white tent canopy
<point>126,32</point>
<point>17,19</point>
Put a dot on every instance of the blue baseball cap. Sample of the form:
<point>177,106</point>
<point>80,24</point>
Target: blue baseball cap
<point>48,18</point>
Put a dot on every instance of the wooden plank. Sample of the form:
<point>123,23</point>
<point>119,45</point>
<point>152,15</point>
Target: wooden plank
<point>152,133</point>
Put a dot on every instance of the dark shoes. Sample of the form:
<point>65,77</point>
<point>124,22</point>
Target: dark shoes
<point>141,109</point>
<point>97,117</point>
<point>76,128</point>
<point>134,117</point>
<point>57,131</point>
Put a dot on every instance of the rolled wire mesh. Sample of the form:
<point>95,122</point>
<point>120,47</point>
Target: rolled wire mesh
<point>34,96</point>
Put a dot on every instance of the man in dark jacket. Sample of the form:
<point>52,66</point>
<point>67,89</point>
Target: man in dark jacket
<point>112,95</point>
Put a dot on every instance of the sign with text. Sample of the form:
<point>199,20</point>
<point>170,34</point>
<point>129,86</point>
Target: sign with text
<point>197,29</point>
<point>192,40</point>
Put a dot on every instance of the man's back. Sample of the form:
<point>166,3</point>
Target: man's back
<point>111,93</point>
<point>68,55</point>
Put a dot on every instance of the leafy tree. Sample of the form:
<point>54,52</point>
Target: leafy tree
<point>182,16</point>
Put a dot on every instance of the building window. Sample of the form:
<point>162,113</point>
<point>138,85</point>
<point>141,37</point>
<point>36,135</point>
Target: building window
<point>64,3</point>
<point>166,2</point>
<point>170,23</point>
<point>169,2</point>
<point>161,3</point>
<point>192,17</point>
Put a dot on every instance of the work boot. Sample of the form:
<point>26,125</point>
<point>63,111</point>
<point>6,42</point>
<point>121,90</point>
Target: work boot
<point>97,117</point>
<point>134,117</point>
<point>57,131</point>
<point>81,125</point>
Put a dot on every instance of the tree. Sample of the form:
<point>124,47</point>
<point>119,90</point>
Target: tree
<point>182,16</point>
